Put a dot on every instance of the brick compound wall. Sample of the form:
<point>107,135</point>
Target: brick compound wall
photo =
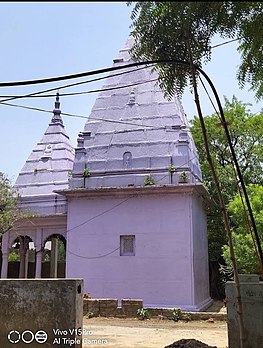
<point>109,308</point>
<point>129,307</point>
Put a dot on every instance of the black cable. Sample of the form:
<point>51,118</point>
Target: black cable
<point>209,97</point>
<point>172,62</point>
<point>91,257</point>
<point>72,76</point>
<point>78,93</point>
<point>89,73</point>
<point>237,183</point>
<point>86,117</point>
<point>232,150</point>
<point>68,86</point>
<point>224,43</point>
<point>78,116</point>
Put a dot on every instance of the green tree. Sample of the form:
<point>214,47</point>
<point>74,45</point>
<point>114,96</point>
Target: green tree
<point>9,213</point>
<point>160,30</point>
<point>247,132</point>
<point>243,241</point>
<point>61,251</point>
<point>13,256</point>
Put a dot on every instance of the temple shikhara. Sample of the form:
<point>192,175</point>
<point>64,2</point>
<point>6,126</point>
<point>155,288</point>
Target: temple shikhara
<point>126,207</point>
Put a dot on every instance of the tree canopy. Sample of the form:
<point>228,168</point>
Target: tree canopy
<point>246,132</point>
<point>160,30</point>
<point>8,205</point>
<point>243,241</point>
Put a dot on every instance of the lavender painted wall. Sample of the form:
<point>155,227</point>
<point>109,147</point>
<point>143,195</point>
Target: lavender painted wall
<point>161,272</point>
<point>200,250</point>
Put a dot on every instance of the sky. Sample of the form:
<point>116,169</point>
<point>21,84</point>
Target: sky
<point>49,39</point>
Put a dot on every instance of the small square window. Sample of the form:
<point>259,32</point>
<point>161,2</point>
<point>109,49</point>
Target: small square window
<point>127,245</point>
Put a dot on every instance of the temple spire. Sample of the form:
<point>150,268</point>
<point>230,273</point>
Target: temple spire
<point>57,118</point>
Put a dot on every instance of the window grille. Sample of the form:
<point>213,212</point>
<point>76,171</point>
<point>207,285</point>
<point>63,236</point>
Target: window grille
<point>127,245</point>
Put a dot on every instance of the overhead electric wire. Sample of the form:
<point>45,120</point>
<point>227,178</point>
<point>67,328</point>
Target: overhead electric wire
<point>224,43</point>
<point>92,257</point>
<point>3,102</point>
<point>172,62</point>
<point>183,63</point>
<point>78,75</point>
<point>75,76</point>
<point>74,93</point>
<point>209,97</point>
<point>95,72</point>
<point>79,93</point>
<point>78,116</point>
<point>34,94</point>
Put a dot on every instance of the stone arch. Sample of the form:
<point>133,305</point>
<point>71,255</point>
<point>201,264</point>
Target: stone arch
<point>15,235</point>
<point>21,257</point>
<point>54,256</point>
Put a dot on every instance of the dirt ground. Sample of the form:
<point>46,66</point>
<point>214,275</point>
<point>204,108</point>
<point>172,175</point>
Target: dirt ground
<point>152,333</point>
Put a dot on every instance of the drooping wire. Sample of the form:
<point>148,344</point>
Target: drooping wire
<point>34,94</point>
<point>78,75</point>
<point>77,93</point>
<point>236,182</point>
<point>93,72</point>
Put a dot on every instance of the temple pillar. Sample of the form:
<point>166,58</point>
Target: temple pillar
<point>38,264</point>
<point>54,258</point>
<point>22,253</point>
<point>4,270</point>
<point>26,262</point>
<point>39,252</point>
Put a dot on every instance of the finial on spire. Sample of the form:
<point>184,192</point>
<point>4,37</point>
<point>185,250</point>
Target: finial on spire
<point>57,103</point>
<point>57,118</point>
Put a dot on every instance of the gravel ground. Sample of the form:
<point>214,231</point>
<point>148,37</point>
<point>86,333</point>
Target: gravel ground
<point>153,333</point>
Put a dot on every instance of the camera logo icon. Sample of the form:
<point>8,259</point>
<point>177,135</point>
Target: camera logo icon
<point>27,336</point>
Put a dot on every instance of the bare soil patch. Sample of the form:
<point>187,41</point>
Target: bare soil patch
<point>153,333</point>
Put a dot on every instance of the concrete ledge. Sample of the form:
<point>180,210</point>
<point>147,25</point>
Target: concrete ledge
<point>167,313</point>
<point>208,315</point>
